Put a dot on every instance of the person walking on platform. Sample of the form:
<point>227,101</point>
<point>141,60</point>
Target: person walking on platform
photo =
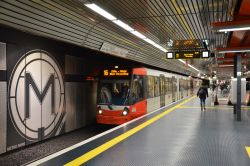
<point>202,94</point>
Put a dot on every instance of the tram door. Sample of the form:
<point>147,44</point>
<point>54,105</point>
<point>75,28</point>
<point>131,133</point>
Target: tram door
<point>162,90</point>
<point>174,89</point>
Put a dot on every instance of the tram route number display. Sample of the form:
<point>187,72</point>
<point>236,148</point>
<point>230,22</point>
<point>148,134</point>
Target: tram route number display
<point>116,73</point>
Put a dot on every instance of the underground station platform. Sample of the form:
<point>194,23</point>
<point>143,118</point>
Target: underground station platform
<point>178,134</point>
<point>125,82</point>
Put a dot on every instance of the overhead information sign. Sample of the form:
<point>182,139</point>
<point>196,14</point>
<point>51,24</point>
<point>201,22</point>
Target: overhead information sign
<point>114,50</point>
<point>188,55</point>
<point>115,73</point>
<point>187,44</point>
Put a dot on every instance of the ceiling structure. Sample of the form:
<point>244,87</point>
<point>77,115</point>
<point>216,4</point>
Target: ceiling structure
<point>165,22</point>
<point>237,41</point>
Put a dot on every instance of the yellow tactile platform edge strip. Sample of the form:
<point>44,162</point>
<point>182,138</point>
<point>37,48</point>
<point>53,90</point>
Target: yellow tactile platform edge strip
<point>93,153</point>
<point>248,150</point>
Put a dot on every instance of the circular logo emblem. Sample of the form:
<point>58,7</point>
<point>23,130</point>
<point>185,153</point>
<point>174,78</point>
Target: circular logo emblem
<point>36,96</point>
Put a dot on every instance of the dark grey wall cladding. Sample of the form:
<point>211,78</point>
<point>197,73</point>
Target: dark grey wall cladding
<point>80,103</point>
<point>91,92</point>
<point>80,96</point>
<point>3,97</point>
<point>3,116</point>
<point>74,65</point>
<point>2,56</point>
<point>75,105</point>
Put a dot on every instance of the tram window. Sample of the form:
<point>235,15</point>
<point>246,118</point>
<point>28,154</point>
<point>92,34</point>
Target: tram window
<point>180,85</point>
<point>162,84</point>
<point>173,84</point>
<point>113,92</point>
<point>156,86</point>
<point>170,85</point>
<point>150,86</point>
<point>166,85</point>
<point>137,88</point>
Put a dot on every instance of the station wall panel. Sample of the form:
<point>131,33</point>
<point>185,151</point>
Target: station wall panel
<point>42,103</point>
<point>76,106</point>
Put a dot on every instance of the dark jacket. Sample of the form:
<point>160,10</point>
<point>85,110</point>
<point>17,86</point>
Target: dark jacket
<point>204,94</point>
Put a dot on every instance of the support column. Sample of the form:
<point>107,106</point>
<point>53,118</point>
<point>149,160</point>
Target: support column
<point>238,103</point>
<point>235,76</point>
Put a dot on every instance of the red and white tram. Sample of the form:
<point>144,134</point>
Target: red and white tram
<point>125,94</point>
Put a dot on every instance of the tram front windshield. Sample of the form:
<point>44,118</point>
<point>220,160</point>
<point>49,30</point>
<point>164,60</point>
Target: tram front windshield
<point>113,92</point>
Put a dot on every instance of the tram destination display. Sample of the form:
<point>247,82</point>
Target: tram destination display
<point>115,73</point>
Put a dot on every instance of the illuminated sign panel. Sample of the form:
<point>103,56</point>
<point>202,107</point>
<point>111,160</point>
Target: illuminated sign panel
<point>205,54</point>
<point>115,73</point>
<point>187,55</point>
<point>170,55</point>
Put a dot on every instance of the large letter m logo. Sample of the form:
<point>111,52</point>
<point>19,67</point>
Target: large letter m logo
<point>29,82</point>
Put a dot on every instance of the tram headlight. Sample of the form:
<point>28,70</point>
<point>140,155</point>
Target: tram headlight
<point>125,112</point>
<point>133,109</point>
<point>100,111</point>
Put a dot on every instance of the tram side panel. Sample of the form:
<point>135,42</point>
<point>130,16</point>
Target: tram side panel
<point>153,98</point>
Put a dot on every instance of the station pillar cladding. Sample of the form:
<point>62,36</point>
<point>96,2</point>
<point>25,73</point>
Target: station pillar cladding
<point>237,74</point>
<point>36,101</point>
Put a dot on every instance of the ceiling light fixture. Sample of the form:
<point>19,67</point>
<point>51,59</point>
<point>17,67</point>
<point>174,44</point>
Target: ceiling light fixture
<point>100,11</point>
<point>234,29</point>
<point>226,65</point>
<point>182,61</point>
<point>126,27</point>
<point>233,51</point>
<point>228,26</point>
<point>138,34</point>
<point>123,25</point>
<point>193,67</point>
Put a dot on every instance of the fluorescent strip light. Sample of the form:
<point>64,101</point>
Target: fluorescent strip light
<point>232,51</point>
<point>149,41</point>
<point>123,25</point>
<point>226,65</point>
<point>163,49</point>
<point>193,67</point>
<point>234,29</point>
<point>138,34</point>
<point>182,61</point>
<point>100,11</point>
<point>154,44</point>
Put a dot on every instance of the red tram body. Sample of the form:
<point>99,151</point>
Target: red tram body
<point>125,94</point>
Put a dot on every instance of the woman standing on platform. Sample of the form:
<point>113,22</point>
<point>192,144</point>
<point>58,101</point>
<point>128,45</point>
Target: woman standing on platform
<point>202,94</point>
